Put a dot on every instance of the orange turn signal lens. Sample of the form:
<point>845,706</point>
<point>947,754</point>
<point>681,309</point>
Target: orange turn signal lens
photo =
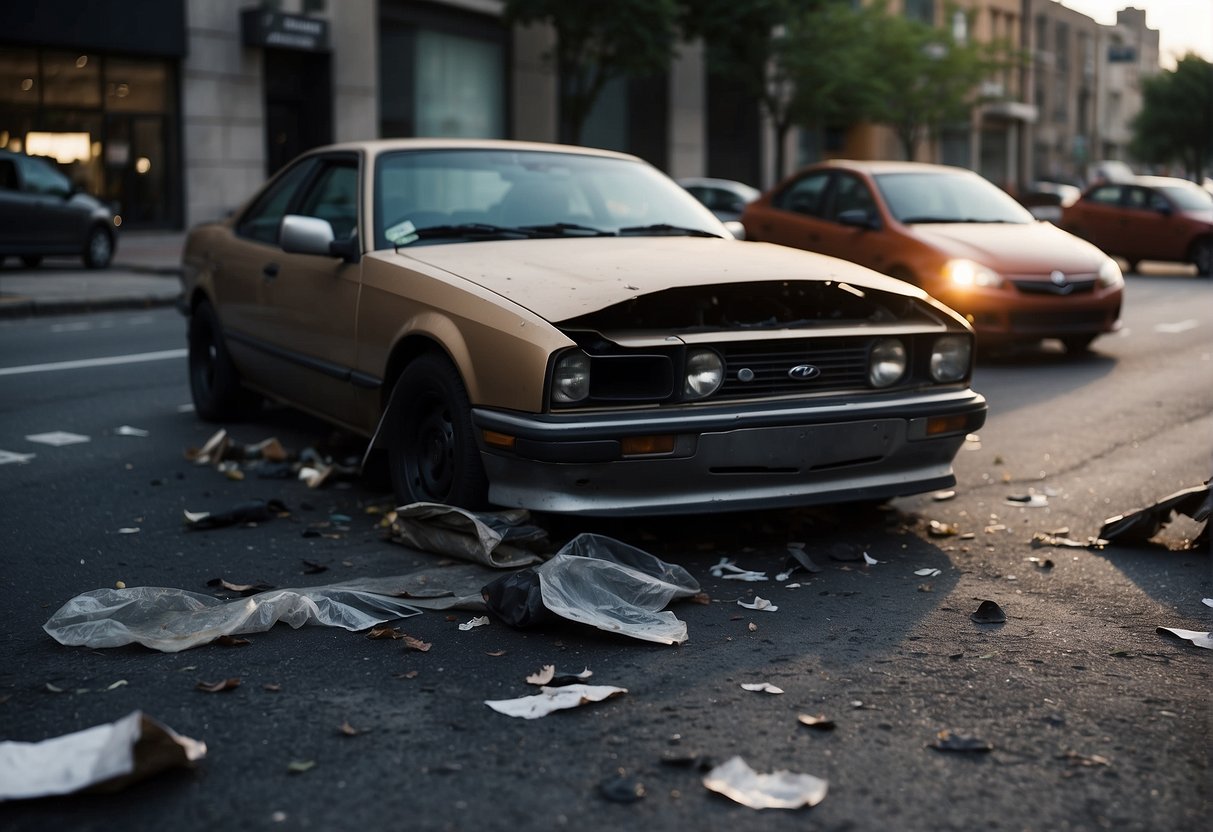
<point>947,424</point>
<point>498,440</point>
<point>644,445</point>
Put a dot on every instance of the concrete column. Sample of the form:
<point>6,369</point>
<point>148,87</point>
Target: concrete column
<point>535,93</point>
<point>688,112</point>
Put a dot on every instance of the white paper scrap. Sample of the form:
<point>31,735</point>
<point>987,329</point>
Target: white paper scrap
<point>553,699</point>
<point>57,438</point>
<point>778,790</point>
<point>869,560</point>
<point>478,621</point>
<point>758,604</point>
<point>926,573</point>
<point>761,687</point>
<point>1199,639</point>
<point>1208,602</point>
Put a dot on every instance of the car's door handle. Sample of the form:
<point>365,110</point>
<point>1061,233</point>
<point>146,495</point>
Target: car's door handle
<point>270,270</point>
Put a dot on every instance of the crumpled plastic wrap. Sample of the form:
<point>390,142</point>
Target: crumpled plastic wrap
<point>608,584</point>
<point>501,539</point>
<point>171,620</point>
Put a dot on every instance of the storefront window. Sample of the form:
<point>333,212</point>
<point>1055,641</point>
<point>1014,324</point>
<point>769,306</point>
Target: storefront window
<point>70,79</point>
<point>457,86</point>
<point>18,77</point>
<point>136,86</point>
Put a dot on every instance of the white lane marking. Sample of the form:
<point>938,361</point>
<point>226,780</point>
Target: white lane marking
<point>57,438</point>
<point>12,456</point>
<point>161,355</point>
<point>75,326</point>
<point>1174,329</point>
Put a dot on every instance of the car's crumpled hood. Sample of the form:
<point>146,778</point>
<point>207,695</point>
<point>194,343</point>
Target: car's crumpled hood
<point>559,279</point>
<point>1015,249</point>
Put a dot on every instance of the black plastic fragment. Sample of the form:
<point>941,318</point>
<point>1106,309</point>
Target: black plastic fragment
<point>988,613</point>
<point>949,741</point>
<point>516,599</point>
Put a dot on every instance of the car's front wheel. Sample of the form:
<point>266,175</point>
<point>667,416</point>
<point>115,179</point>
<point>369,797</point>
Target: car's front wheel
<point>1077,344</point>
<point>1202,256</point>
<point>98,248</point>
<point>214,380</point>
<point>433,456</point>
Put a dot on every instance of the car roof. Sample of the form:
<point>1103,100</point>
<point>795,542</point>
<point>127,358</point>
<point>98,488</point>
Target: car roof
<point>884,166</point>
<point>1162,182</point>
<point>376,146</point>
<point>712,182</point>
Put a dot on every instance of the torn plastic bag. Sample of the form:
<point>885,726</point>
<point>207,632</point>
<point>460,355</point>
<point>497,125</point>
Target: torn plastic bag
<point>615,587</point>
<point>170,620</point>
<point>1141,525</point>
<point>254,511</point>
<point>517,600</point>
<point>501,539</point>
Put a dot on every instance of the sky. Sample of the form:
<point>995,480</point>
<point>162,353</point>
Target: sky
<point>1183,25</point>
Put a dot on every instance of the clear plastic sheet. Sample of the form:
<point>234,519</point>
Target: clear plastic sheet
<point>171,620</point>
<point>501,539</point>
<point>615,587</point>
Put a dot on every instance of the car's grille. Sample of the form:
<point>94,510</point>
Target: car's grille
<point>1058,321</point>
<point>1048,287</point>
<point>843,363</point>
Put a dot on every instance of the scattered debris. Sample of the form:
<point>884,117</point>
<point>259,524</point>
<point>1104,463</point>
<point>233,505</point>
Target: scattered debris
<point>818,722</point>
<point>950,741</point>
<point>547,676</point>
<point>1197,638</point>
<point>599,581</point>
<point>1208,602</point>
<point>300,766</point>
<point>621,788</point>
<point>127,430</point>
<point>502,539</point>
<point>972,442</point>
<point>779,790</point>
<point>988,612</point>
<point>1029,500</point>
<point>730,571</point>
<point>943,496</point>
<point>1041,563</point>
<point>478,621</point>
<point>312,568</point>
<point>104,758</point>
<point>869,560</point>
<point>254,511</point>
<point>551,699</point>
<point>1141,525</point>
<point>345,729</point>
<point>941,529</point>
<point>232,641</point>
<point>1040,539</point>
<point>758,604</point>
<point>927,573</point>
<point>129,530</point>
<point>243,589</point>
<point>761,687</point>
<point>1087,760</point>
<point>219,687</point>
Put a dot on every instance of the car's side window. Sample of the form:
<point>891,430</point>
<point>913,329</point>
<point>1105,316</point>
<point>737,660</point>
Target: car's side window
<point>851,194</point>
<point>41,178</point>
<point>333,196</point>
<point>1137,198</point>
<point>8,175</point>
<point>1105,195</point>
<point>1158,202</point>
<point>804,196</point>
<point>260,222</point>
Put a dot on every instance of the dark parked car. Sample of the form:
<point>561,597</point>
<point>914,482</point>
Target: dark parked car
<point>42,213</point>
<point>1150,218</point>
<point>723,197</point>
<point>564,329</point>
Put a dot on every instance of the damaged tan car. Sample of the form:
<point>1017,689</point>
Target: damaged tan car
<point>567,330</point>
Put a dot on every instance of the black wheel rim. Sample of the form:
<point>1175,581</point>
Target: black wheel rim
<point>429,454</point>
<point>204,358</point>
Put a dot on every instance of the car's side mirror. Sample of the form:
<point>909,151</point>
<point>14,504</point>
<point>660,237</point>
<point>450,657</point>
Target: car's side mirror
<point>312,235</point>
<point>859,218</point>
<point>736,229</point>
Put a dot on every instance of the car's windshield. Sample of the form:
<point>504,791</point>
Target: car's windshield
<point>947,197</point>
<point>1191,198</point>
<point>490,194</point>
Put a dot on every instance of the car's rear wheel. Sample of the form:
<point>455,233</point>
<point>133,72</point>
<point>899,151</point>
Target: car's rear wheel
<point>1202,256</point>
<point>31,261</point>
<point>214,380</point>
<point>1077,344</point>
<point>433,456</point>
<point>98,248</point>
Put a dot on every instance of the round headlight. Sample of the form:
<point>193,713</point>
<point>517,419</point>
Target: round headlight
<point>950,358</point>
<point>704,374</point>
<point>1109,274</point>
<point>965,273</point>
<point>571,378</point>
<point>887,362</point>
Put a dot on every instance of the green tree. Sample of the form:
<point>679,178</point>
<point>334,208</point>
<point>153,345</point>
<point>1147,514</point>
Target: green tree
<point>1176,119</point>
<point>598,41</point>
<point>922,77</point>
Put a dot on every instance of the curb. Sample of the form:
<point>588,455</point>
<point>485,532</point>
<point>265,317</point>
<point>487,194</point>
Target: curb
<point>30,307</point>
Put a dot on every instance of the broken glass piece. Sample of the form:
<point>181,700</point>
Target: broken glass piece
<point>1197,638</point>
<point>105,757</point>
<point>761,687</point>
<point>950,741</point>
<point>553,699</point>
<point>778,790</point>
<point>988,612</point>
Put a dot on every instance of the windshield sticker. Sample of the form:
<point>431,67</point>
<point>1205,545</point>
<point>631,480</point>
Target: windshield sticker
<point>401,234</point>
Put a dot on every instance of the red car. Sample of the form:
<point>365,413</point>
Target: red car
<point>956,235</point>
<point>1149,218</point>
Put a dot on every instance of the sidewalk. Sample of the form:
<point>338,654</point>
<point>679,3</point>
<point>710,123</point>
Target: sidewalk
<point>145,273</point>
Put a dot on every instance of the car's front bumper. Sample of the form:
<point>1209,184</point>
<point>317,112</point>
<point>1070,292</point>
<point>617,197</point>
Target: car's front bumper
<point>1005,314</point>
<point>730,458</point>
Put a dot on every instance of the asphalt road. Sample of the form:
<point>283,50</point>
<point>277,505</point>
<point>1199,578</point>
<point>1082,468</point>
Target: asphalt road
<point>1095,720</point>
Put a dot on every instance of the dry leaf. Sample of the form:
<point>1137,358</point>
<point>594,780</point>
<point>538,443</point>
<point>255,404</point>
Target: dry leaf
<point>272,687</point>
<point>349,730</point>
<point>311,568</point>
<point>416,644</point>
<point>385,632</point>
<point>217,687</point>
<point>700,598</point>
